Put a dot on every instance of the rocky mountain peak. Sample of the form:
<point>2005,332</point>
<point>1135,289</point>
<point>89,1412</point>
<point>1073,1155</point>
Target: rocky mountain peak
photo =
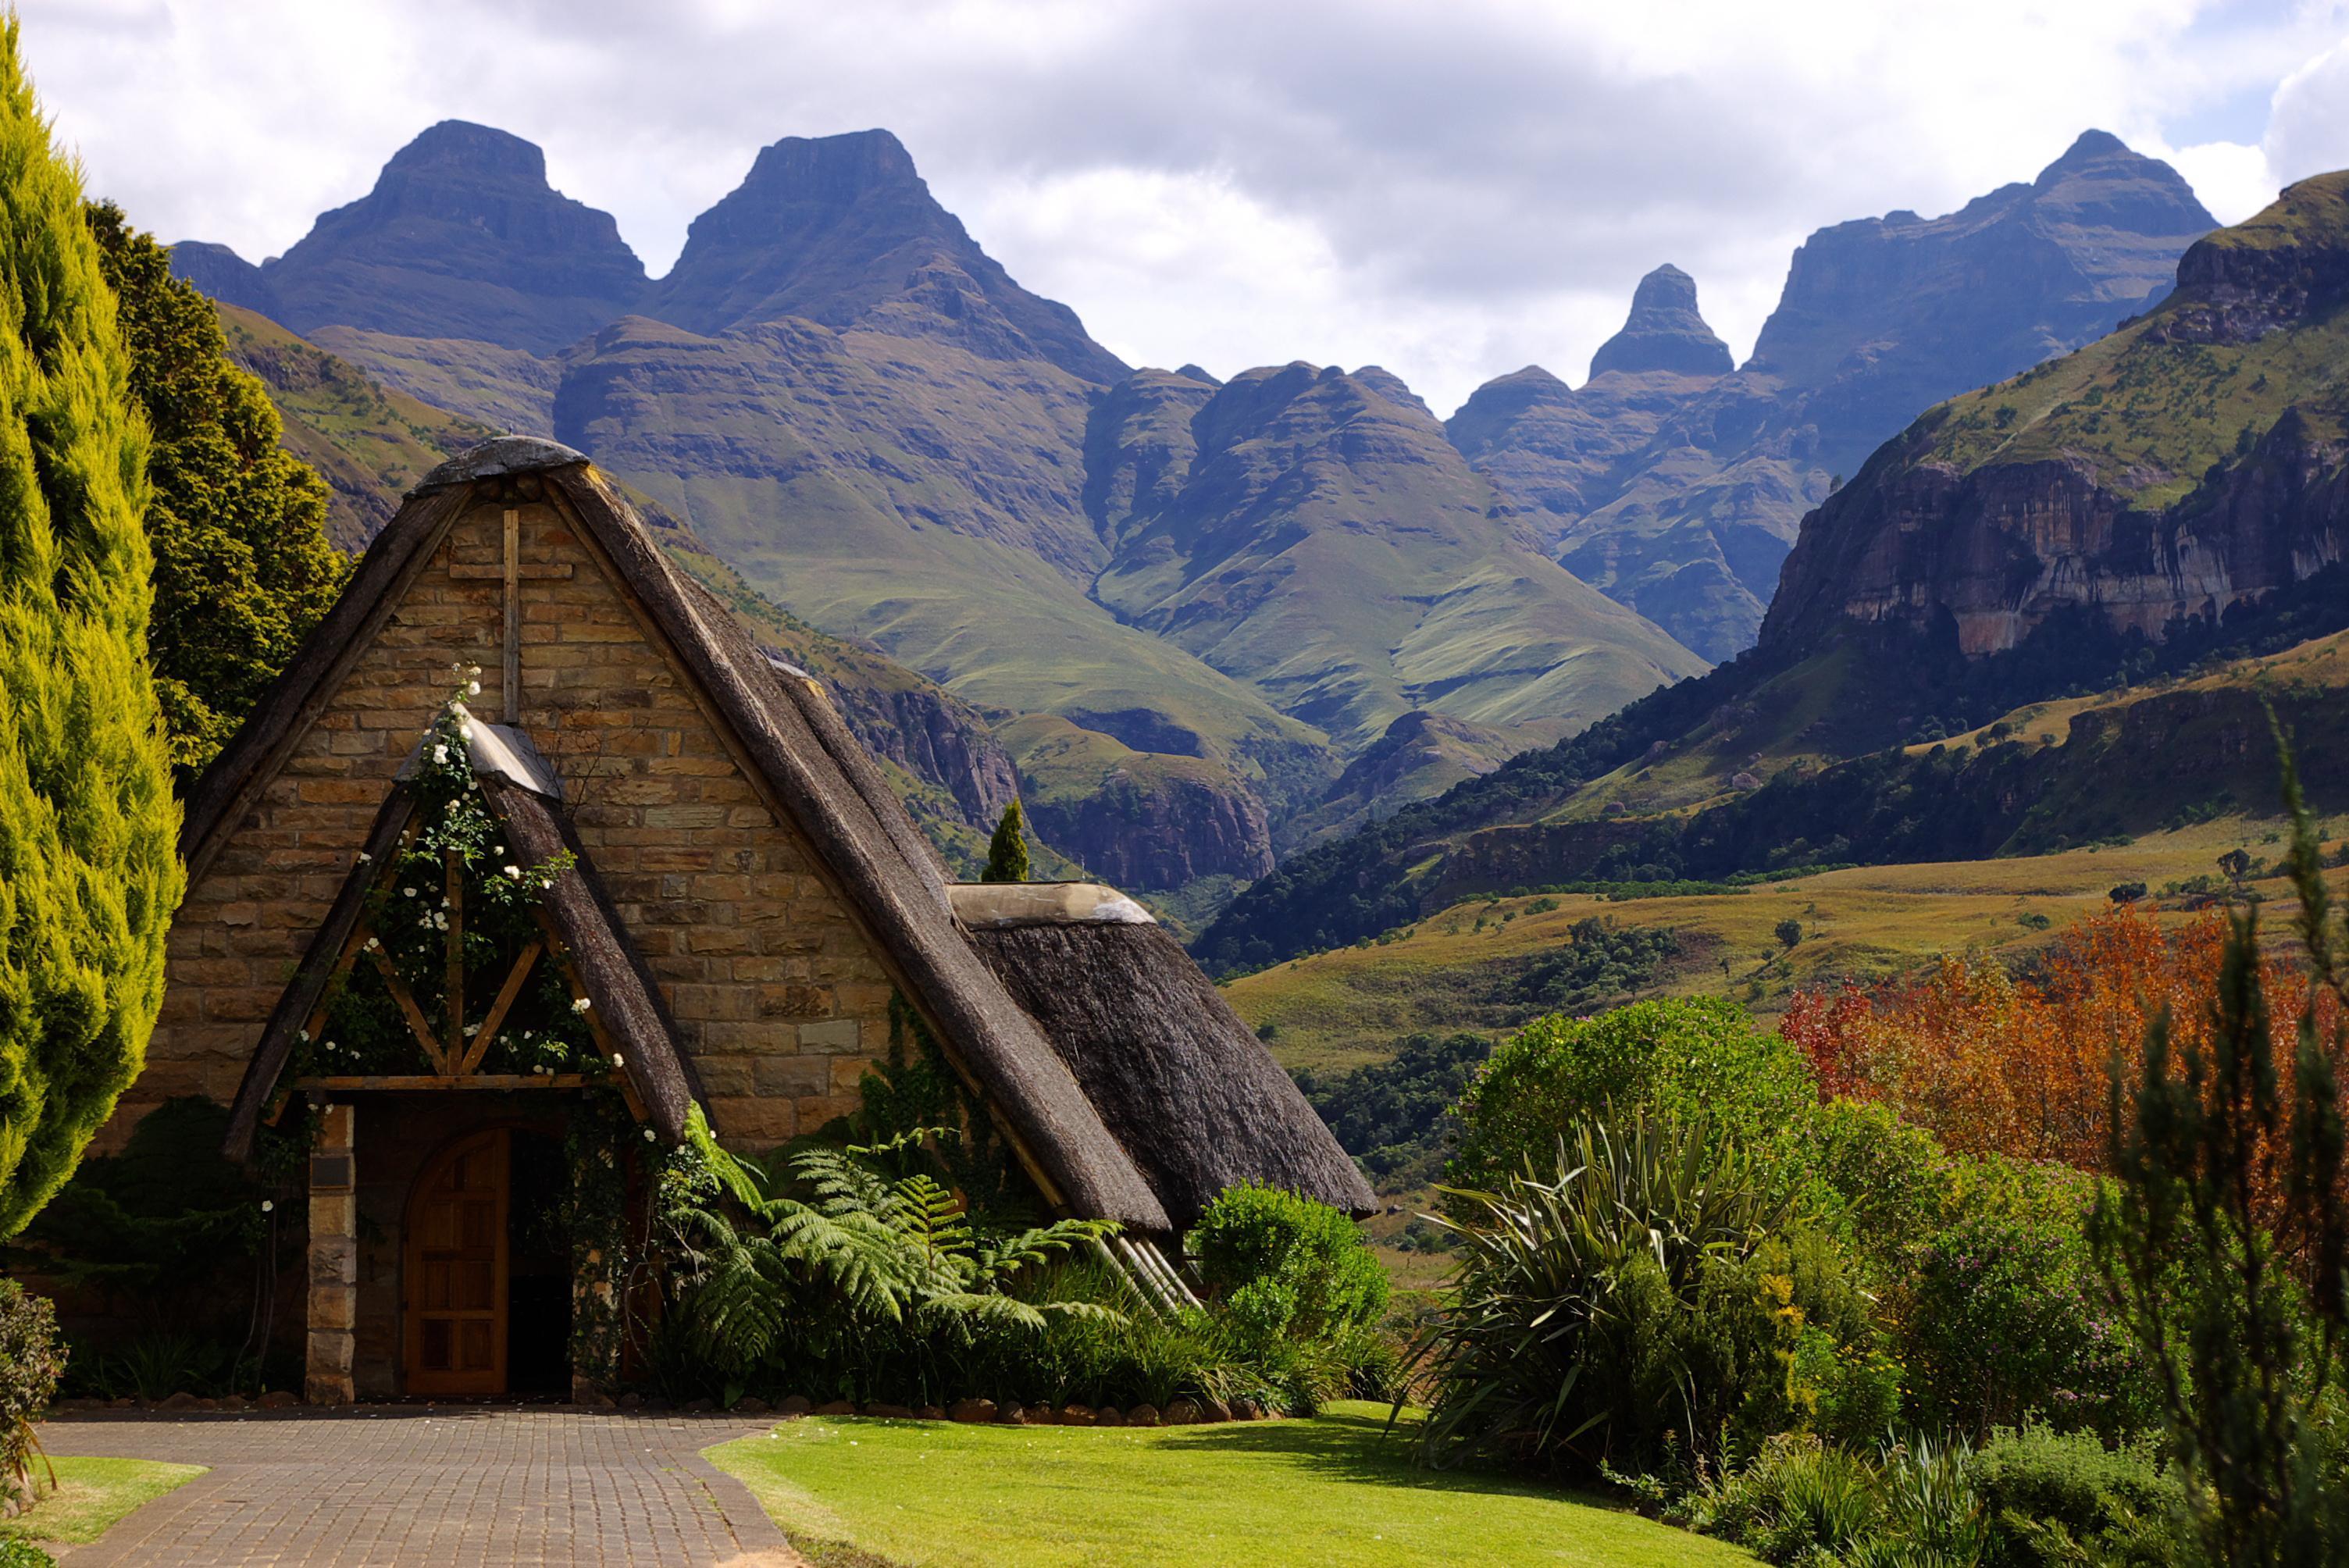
<point>1489,417</point>
<point>1392,387</point>
<point>1664,331</point>
<point>469,150</point>
<point>461,237</point>
<point>2100,183</point>
<point>842,230</point>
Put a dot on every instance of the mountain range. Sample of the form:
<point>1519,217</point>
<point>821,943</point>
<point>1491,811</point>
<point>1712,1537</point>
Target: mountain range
<point>1203,624</point>
<point>1676,485</point>
<point>2124,519</point>
<point>1197,603</point>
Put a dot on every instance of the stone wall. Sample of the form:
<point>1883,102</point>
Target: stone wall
<point>779,996</point>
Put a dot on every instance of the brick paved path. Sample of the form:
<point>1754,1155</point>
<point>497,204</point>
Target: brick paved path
<point>464,1487</point>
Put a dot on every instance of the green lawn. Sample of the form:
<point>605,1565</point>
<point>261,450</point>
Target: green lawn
<point>92,1494</point>
<point>1335,1491</point>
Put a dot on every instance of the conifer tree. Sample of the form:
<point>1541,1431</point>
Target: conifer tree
<point>88,874</point>
<point>1007,852</point>
<point>237,524</point>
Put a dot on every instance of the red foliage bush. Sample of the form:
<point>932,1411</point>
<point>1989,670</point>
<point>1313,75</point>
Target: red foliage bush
<point>1992,1062</point>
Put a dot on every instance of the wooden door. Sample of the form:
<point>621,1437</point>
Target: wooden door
<point>456,1277</point>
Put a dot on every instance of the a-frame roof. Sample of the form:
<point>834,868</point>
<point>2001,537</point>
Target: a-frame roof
<point>813,770</point>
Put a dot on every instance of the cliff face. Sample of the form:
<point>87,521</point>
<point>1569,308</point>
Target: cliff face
<point>1684,500</point>
<point>2192,461</point>
<point>1155,833</point>
<point>1563,455</point>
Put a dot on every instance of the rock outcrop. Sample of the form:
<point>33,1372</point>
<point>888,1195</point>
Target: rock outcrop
<point>1664,331</point>
<point>2145,481</point>
<point>1158,831</point>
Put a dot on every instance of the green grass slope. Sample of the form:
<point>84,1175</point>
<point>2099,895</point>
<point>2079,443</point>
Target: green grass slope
<point>1326,544</point>
<point>1338,1490</point>
<point>370,444</point>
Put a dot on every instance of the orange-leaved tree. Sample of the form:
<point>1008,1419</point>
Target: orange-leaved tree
<point>1996,1063</point>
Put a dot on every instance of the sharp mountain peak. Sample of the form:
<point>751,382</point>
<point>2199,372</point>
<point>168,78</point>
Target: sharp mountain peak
<point>1664,331</point>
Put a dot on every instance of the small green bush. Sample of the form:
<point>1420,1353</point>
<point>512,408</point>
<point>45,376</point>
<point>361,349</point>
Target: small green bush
<point>1286,1265</point>
<point>31,1359</point>
<point>1804,1501</point>
<point>1786,1338</point>
<point>2006,1319</point>
<point>1799,1501</point>
<point>1676,1057</point>
<point>1876,1182</point>
<point>2064,1497</point>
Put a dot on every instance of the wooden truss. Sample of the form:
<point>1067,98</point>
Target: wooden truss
<point>455,1057</point>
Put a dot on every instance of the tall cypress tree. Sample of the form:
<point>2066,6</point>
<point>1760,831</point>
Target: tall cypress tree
<point>1007,852</point>
<point>237,524</point>
<point>88,875</point>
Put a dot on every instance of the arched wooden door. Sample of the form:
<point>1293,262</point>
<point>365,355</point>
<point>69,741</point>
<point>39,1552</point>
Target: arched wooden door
<point>456,1273</point>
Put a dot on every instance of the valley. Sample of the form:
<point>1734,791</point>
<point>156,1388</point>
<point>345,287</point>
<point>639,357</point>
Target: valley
<point>1463,968</point>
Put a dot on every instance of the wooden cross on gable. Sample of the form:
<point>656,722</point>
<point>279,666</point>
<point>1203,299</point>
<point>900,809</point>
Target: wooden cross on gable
<point>510,572</point>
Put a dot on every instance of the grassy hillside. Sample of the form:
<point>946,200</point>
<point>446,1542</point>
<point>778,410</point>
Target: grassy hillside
<point>1461,967</point>
<point>369,443</point>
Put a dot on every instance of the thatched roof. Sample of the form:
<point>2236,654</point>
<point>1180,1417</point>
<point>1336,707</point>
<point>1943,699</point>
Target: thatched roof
<point>815,770</point>
<point>523,794</point>
<point>1178,1077</point>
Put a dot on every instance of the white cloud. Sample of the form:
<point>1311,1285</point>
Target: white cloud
<point>2308,127</point>
<point>1452,192</point>
<point>2233,180</point>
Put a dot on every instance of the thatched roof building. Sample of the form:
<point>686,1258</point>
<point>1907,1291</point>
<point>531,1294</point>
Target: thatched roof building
<point>742,899</point>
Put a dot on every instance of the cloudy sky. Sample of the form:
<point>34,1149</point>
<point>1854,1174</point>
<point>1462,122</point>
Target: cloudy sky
<point>1450,190</point>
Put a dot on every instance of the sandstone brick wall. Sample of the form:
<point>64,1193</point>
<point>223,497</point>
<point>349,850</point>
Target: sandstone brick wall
<point>780,998</point>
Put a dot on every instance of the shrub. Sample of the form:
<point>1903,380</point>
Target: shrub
<point>88,875</point>
<point>2007,1320</point>
<point>1876,1182</point>
<point>2055,1498</point>
<point>31,1359</point>
<point>825,1273</point>
<point>1809,1502</point>
<point>1007,849</point>
<point>166,1220</point>
<point>1785,1339</point>
<point>1287,1267</point>
<point>1799,1501</point>
<point>1669,1059</point>
<point>1638,1301</point>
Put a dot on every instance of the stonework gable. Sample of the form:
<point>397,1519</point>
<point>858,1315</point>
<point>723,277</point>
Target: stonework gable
<point>779,996</point>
